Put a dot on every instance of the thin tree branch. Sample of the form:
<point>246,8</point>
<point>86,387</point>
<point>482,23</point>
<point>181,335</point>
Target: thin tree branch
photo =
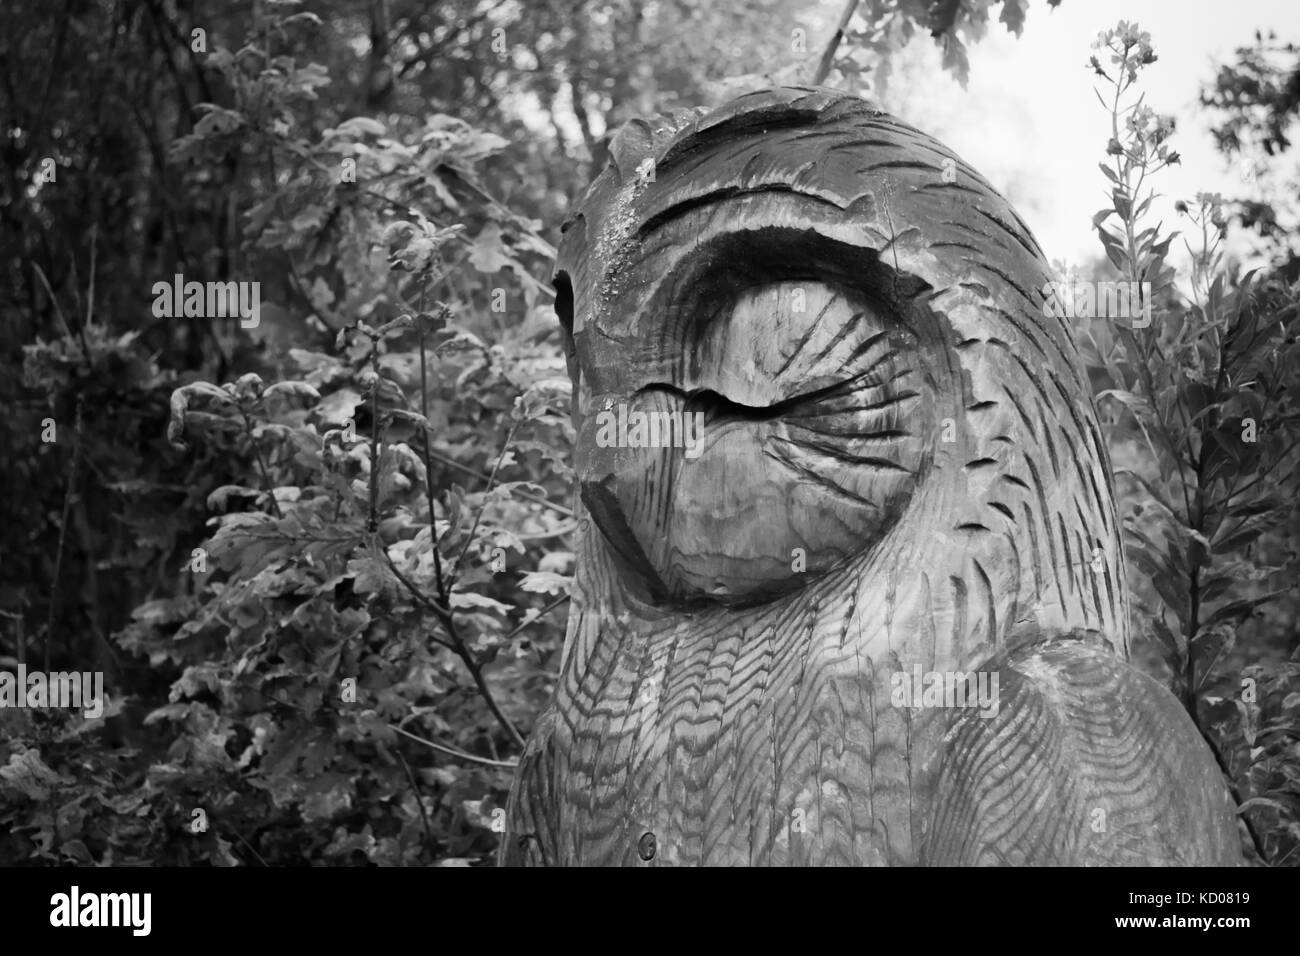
<point>415,789</point>
<point>63,528</point>
<point>428,465</point>
<point>261,463</point>
<point>251,849</point>
<point>563,598</point>
<point>453,752</point>
<point>461,650</point>
<point>828,56</point>
<point>469,538</point>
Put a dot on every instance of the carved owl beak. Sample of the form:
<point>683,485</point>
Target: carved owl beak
<point>619,463</point>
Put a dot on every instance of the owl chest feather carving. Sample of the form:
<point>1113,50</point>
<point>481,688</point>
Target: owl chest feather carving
<point>850,587</point>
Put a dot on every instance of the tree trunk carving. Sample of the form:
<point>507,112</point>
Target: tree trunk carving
<point>837,467</point>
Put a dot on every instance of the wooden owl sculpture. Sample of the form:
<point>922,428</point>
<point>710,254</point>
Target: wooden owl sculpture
<point>850,585</point>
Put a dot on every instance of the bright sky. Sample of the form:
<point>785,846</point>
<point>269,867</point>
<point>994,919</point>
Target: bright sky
<point>1029,120</point>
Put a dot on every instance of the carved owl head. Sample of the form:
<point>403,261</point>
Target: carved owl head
<point>805,336</point>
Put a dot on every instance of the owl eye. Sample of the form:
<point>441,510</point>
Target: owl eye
<point>817,417</point>
<point>817,430</point>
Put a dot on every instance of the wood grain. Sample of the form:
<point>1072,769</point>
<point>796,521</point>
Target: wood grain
<point>900,471</point>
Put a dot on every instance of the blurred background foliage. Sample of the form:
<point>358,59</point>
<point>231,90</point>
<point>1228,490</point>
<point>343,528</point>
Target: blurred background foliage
<point>323,562</point>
